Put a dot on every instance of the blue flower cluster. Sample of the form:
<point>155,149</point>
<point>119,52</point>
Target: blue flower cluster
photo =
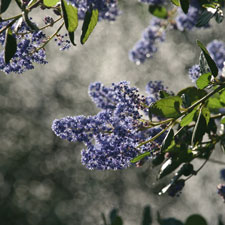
<point>146,46</point>
<point>63,42</point>
<point>221,191</point>
<point>216,50</point>
<point>26,53</point>
<point>111,137</point>
<point>108,9</point>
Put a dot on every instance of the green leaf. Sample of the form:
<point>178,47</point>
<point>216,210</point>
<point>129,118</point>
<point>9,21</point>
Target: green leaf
<point>70,16</point>
<point>158,11</point>
<point>158,160</point>
<point>222,97</point>
<point>210,61</point>
<point>4,4</point>
<point>114,218</point>
<point>205,17</point>
<point>50,3</point>
<point>10,46</point>
<point>204,80</point>
<point>195,219</point>
<point>139,157</point>
<point>192,94</point>
<point>206,114</point>
<point>90,21</point>
<point>176,2</point>
<point>166,107</point>
<point>147,218</point>
<point>222,120</point>
<point>163,94</point>
<point>171,221</point>
<point>199,130</point>
<point>167,140</point>
<point>184,5</point>
<point>214,104</point>
<point>188,118</point>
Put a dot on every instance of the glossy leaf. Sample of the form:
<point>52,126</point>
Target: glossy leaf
<point>176,2</point>
<point>140,157</point>
<point>195,220</point>
<point>158,159</point>
<point>222,97</point>
<point>158,11</point>
<point>204,80</point>
<point>90,21</point>
<point>147,217</point>
<point>184,5</point>
<point>222,120</point>
<point>192,94</point>
<point>50,3</point>
<point>206,114</point>
<point>199,130</point>
<point>166,107</point>
<point>188,118</point>
<point>10,46</point>
<point>214,104</point>
<point>210,61</point>
<point>163,94</point>
<point>70,16</point>
<point>167,140</point>
<point>4,4</point>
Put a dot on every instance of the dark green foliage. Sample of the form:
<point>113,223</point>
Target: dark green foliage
<point>4,4</point>
<point>184,5</point>
<point>90,21</point>
<point>168,107</point>
<point>10,46</point>
<point>204,80</point>
<point>158,11</point>
<point>147,217</point>
<point>70,16</point>
<point>210,61</point>
<point>195,219</point>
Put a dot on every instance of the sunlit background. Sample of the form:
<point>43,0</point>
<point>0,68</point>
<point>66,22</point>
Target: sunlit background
<point>42,180</point>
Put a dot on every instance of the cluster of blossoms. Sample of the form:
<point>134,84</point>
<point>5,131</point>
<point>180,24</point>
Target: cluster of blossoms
<point>108,9</point>
<point>188,21</point>
<point>216,50</point>
<point>155,32</point>
<point>112,136</point>
<point>146,46</point>
<point>63,42</point>
<point>27,52</point>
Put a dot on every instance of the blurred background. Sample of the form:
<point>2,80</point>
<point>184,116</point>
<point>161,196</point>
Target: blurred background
<point>42,180</point>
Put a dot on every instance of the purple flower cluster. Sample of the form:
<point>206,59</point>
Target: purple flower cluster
<point>187,21</point>
<point>111,137</point>
<point>108,9</point>
<point>221,190</point>
<point>146,46</point>
<point>176,188</point>
<point>63,43</point>
<point>216,50</point>
<point>194,73</point>
<point>26,54</point>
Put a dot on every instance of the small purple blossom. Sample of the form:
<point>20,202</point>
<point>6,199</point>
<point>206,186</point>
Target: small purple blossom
<point>26,54</point>
<point>221,191</point>
<point>194,73</point>
<point>146,46</point>
<point>111,137</point>
<point>63,42</point>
